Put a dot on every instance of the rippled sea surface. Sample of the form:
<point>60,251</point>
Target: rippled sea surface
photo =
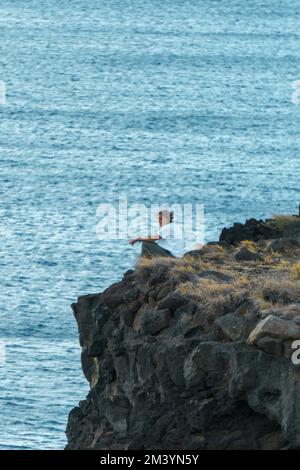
<point>178,101</point>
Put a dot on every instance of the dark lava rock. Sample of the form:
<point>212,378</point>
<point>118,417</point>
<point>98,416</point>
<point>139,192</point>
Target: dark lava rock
<point>167,372</point>
<point>246,255</point>
<point>257,230</point>
<point>152,322</point>
<point>270,345</point>
<point>283,245</point>
<point>252,230</point>
<point>159,382</point>
<point>171,302</point>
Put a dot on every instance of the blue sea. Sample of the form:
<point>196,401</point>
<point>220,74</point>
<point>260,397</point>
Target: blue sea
<point>163,101</point>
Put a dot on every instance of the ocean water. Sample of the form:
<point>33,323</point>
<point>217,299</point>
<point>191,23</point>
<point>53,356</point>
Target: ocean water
<point>177,101</point>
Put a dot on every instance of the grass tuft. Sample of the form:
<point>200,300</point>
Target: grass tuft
<point>296,271</point>
<point>283,221</point>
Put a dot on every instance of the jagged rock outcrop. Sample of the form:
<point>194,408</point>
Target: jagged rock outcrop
<point>193,353</point>
<point>275,228</point>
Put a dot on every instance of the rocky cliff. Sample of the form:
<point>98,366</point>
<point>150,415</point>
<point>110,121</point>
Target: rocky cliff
<point>196,353</point>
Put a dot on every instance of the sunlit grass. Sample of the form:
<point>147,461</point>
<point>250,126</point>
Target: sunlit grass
<point>283,221</point>
<point>296,271</point>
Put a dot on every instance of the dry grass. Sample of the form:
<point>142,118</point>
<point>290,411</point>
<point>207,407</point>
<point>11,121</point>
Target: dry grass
<point>281,291</point>
<point>275,281</point>
<point>296,271</point>
<point>178,270</point>
<point>219,298</point>
<point>276,261</point>
<point>249,244</point>
<point>213,298</point>
<point>281,222</point>
<point>215,253</point>
<point>146,268</point>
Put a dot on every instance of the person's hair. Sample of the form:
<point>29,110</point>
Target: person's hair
<point>165,213</point>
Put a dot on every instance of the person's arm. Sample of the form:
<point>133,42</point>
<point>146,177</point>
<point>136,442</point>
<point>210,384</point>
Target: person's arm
<point>151,238</point>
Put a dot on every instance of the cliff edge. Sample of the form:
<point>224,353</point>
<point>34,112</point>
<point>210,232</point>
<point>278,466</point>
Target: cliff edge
<point>196,353</point>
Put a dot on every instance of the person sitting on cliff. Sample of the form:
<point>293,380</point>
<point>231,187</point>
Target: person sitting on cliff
<point>167,242</point>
